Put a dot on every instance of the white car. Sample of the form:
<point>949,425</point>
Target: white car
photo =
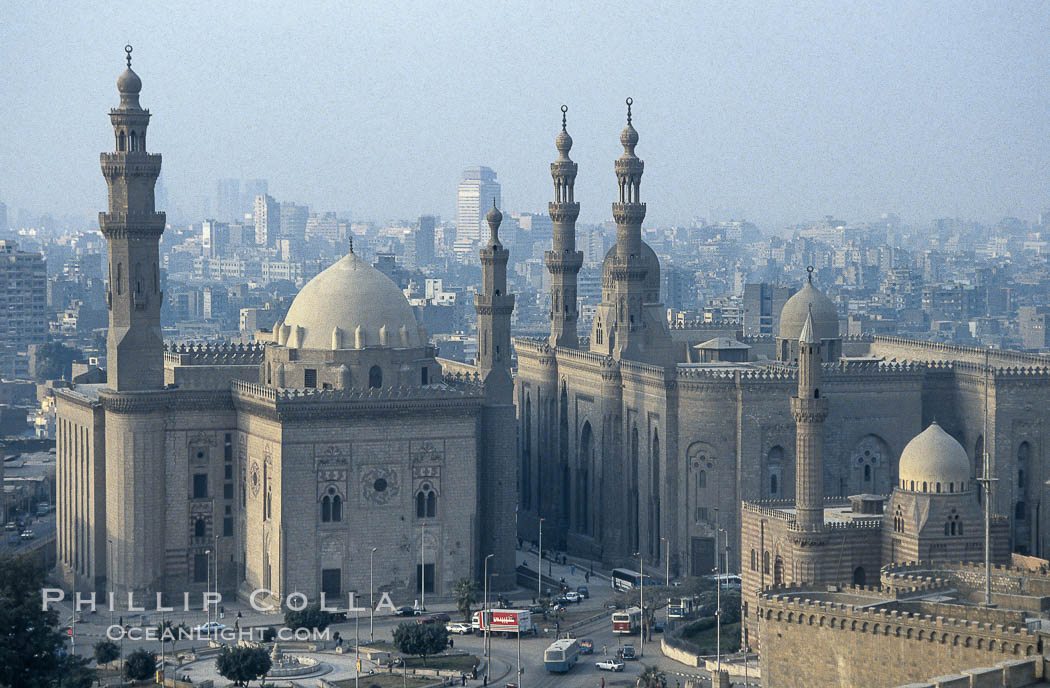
<point>609,665</point>
<point>573,596</point>
<point>458,627</point>
<point>211,627</point>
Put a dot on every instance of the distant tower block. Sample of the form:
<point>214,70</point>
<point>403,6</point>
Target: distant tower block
<point>132,228</point>
<point>563,260</point>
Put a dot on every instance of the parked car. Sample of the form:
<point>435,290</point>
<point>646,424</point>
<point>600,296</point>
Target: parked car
<point>572,596</point>
<point>439,617</point>
<point>458,627</point>
<point>584,592</point>
<point>11,526</point>
<point>407,611</point>
<point>586,646</point>
<point>627,653</point>
<point>210,627</point>
<point>610,664</point>
<point>27,534</point>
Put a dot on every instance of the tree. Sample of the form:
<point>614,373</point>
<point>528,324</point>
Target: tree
<point>32,649</point>
<point>55,360</point>
<point>309,617</point>
<point>140,665</point>
<point>421,640</point>
<point>106,651</point>
<point>465,592</point>
<point>652,677</point>
<point>168,631</point>
<point>243,664</point>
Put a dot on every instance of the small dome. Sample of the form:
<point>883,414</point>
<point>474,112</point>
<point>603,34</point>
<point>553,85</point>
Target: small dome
<point>932,458</point>
<point>129,83</point>
<point>797,309</point>
<point>629,137</point>
<point>494,216</point>
<point>563,142</point>
<point>348,295</point>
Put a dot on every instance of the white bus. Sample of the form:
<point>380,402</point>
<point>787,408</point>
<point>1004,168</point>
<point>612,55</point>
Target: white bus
<point>626,579</point>
<point>627,621</point>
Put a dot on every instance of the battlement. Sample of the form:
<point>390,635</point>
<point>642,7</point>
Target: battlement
<point>642,369</point>
<point>952,352</point>
<point>271,394</point>
<point>1005,579</point>
<point>794,605</point>
<point>213,354</point>
<point>701,325</point>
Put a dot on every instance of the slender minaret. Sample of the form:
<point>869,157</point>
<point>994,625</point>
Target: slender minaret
<point>809,410</point>
<point>132,228</point>
<point>493,304</point>
<point>629,268</point>
<point>563,260</point>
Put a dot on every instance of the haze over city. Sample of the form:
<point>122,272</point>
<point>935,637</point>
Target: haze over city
<point>774,114</point>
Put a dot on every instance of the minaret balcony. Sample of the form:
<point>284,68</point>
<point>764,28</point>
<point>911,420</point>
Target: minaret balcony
<point>628,213</point>
<point>567,262</point>
<point>563,212</point>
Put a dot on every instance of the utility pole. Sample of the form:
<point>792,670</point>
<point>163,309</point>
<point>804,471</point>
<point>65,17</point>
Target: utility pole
<point>539,564</point>
<point>641,603</point>
<point>667,577</point>
<point>986,481</point>
<point>486,621</point>
<point>423,567</point>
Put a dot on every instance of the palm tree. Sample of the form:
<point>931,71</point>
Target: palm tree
<point>651,677</point>
<point>465,592</point>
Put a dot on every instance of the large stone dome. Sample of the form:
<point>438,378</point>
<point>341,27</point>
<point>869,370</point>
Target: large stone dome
<point>934,462</point>
<point>652,275</point>
<point>348,306</point>
<point>793,315</point>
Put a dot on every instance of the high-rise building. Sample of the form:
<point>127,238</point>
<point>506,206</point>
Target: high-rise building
<point>215,238</point>
<point>478,192</point>
<point>23,307</point>
<point>424,240</point>
<point>293,220</point>
<point>3,219</point>
<point>762,305</point>
<point>252,188</point>
<point>267,216</point>
<point>323,226</point>
<point>228,205</point>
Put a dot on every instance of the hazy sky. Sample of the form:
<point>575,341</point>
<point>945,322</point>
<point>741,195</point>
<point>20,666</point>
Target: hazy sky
<point>776,112</point>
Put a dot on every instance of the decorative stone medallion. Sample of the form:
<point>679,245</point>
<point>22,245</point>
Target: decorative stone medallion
<point>380,485</point>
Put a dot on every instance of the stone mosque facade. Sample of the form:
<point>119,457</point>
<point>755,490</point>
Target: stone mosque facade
<point>639,437</point>
<point>293,465</point>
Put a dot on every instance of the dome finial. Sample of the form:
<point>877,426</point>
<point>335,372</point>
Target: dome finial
<point>564,109</point>
<point>563,142</point>
<point>810,269</point>
<point>630,102</point>
<point>351,243</point>
<point>128,49</point>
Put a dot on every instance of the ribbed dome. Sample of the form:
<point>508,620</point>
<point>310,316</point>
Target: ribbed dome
<point>129,82</point>
<point>934,462</point>
<point>797,309</point>
<point>348,295</point>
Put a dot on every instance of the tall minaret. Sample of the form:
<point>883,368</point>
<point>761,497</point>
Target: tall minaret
<point>809,410</point>
<point>563,260</point>
<point>629,268</point>
<point>132,228</point>
<point>493,304</point>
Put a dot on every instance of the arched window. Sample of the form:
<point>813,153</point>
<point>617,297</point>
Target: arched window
<point>702,479</point>
<point>1023,453</point>
<point>337,508</point>
<point>773,484</point>
<point>431,505</point>
<point>765,562</point>
<point>120,141</point>
<point>945,528</point>
<point>754,560</point>
<point>375,377</point>
<point>858,576</point>
<point>199,528</point>
<point>120,278</point>
<point>867,473</point>
<point>326,509</point>
<point>778,571</point>
<point>421,505</point>
<point>924,486</point>
<point>426,502</point>
<point>134,141</point>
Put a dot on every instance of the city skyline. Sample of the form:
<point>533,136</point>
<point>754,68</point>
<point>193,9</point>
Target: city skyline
<point>777,116</point>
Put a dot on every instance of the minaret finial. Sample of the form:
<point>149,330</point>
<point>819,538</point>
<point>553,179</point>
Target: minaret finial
<point>351,243</point>
<point>564,109</point>
<point>128,49</point>
<point>810,270</point>
<point>630,102</point>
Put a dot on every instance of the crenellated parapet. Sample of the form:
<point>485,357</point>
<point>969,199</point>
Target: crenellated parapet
<point>214,354</point>
<point>1008,580</point>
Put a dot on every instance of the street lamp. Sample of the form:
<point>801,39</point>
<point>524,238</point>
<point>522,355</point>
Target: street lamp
<point>371,594</point>
<point>641,603</point>
<point>423,567</point>
<point>539,564</point>
<point>207,553</point>
<point>486,621</point>
<point>667,576</point>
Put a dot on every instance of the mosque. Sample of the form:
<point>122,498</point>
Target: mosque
<point>340,449</point>
<point>639,442</point>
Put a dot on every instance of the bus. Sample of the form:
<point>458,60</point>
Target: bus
<point>678,609</point>
<point>727,581</point>
<point>626,579</point>
<point>561,656</point>
<point>627,621</point>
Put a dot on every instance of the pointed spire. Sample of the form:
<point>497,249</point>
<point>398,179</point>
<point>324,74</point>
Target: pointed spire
<point>808,336</point>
